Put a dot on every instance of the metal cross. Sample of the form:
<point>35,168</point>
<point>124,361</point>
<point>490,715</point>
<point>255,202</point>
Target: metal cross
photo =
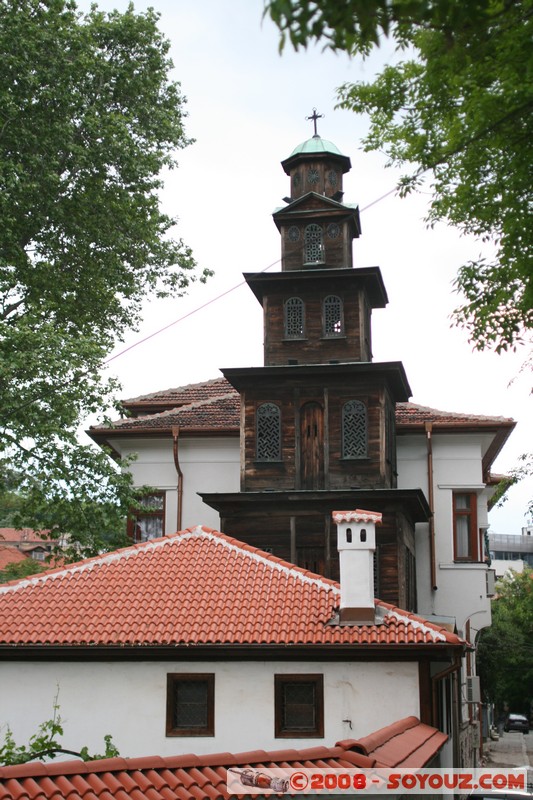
<point>314,116</point>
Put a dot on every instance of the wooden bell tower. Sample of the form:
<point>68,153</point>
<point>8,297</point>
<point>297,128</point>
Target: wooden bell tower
<point>318,419</point>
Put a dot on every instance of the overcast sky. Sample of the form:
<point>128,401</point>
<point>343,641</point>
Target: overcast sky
<point>247,107</point>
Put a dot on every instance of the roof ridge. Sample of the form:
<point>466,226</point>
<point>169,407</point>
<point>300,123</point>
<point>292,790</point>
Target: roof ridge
<point>154,395</point>
<point>166,541</point>
<point>437,632</point>
<point>457,414</point>
<point>177,409</point>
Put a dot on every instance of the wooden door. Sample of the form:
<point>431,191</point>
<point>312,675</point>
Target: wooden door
<point>312,446</point>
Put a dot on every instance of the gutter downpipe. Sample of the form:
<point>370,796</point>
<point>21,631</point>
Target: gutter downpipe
<point>431,500</point>
<point>175,437</point>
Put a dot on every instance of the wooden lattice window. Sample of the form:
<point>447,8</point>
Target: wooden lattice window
<point>333,316</point>
<point>294,318</point>
<point>354,429</point>
<point>314,245</point>
<point>268,432</point>
<point>299,706</point>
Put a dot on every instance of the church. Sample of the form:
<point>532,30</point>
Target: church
<point>266,454</point>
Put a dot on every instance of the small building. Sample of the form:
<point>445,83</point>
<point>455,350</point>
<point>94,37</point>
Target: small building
<point>267,453</point>
<point>199,643</point>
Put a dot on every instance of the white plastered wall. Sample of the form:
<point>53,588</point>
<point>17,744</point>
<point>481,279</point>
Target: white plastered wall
<point>209,464</point>
<point>457,466</point>
<point>128,701</point>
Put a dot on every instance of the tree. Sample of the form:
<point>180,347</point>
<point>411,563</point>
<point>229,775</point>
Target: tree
<point>456,111</point>
<point>45,743</point>
<point>89,118</point>
<point>20,569</point>
<point>505,649</point>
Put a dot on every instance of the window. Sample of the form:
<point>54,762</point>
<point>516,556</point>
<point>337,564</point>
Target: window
<point>148,522</point>
<point>465,538</point>
<point>294,318</point>
<point>268,432</point>
<point>333,321</point>
<point>314,245</point>
<point>354,429</point>
<point>190,704</point>
<point>299,706</point>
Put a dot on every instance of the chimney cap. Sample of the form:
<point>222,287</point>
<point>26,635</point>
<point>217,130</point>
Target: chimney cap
<point>357,516</point>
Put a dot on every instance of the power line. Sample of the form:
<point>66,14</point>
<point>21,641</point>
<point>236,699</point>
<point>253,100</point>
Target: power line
<point>185,316</point>
<point>220,296</point>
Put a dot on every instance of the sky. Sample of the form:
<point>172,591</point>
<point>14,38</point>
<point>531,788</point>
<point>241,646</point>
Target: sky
<point>247,107</point>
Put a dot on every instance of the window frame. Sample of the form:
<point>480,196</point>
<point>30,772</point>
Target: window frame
<point>470,514</point>
<point>314,239</point>
<point>263,459</point>
<point>333,334</point>
<point>137,515</point>
<point>173,678</point>
<point>301,305</point>
<point>344,413</point>
<point>281,731</point>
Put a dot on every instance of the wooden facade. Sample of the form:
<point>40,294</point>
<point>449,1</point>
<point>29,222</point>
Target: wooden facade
<point>318,419</point>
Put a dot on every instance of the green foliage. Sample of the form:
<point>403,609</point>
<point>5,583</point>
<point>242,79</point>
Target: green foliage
<point>523,471</point>
<point>458,109</point>
<point>21,569</point>
<point>88,120</point>
<point>505,650</point>
<point>356,25</point>
<point>45,743</point>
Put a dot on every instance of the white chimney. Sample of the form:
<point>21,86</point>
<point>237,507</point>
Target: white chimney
<point>356,542</point>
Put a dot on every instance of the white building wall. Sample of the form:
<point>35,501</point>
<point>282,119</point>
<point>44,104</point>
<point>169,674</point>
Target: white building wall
<point>128,701</point>
<point>457,466</point>
<point>209,464</point>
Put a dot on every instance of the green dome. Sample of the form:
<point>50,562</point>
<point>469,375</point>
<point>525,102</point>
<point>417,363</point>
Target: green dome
<point>313,148</point>
<point>316,145</point>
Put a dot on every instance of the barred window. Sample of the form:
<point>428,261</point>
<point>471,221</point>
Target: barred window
<point>299,706</point>
<point>294,318</point>
<point>333,316</point>
<point>268,432</point>
<point>190,704</point>
<point>314,245</point>
<point>354,429</point>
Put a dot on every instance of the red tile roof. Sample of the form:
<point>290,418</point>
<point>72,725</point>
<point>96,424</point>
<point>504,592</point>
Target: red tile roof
<point>411,414</point>
<point>214,406</point>
<point>23,536</point>
<point>407,743</point>
<point>10,555</point>
<point>181,395</point>
<point>221,412</point>
<point>270,602</point>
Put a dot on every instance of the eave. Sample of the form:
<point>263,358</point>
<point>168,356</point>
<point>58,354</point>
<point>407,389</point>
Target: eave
<point>370,277</point>
<point>306,501</point>
<point>228,652</point>
<point>293,211</point>
<point>391,372</point>
<point>501,429</point>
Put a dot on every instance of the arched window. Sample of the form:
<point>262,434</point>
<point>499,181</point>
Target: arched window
<point>294,318</point>
<point>268,432</point>
<point>314,245</point>
<point>354,429</point>
<point>332,316</point>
